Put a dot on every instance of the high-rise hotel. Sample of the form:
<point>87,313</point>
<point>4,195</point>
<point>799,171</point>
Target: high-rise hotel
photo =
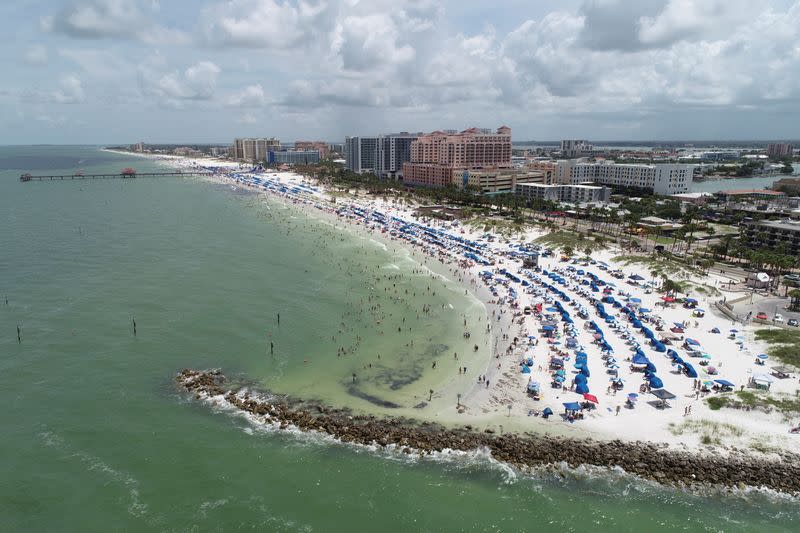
<point>444,158</point>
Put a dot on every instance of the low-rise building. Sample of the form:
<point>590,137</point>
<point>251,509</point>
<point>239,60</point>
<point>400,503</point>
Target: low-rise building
<point>659,225</point>
<point>774,235</point>
<point>579,193</point>
<point>665,179</point>
<point>497,179</point>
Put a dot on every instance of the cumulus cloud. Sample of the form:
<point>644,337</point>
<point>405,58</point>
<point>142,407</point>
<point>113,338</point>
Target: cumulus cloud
<point>626,59</point>
<point>370,41</point>
<point>68,91</point>
<point>197,82</point>
<point>111,19</point>
<point>696,20</point>
<point>36,55</point>
<point>250,96</point>
<point>615,24</point>
<point>272,24</point>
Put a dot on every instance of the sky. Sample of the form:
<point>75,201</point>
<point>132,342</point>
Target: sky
<point>206,71</point>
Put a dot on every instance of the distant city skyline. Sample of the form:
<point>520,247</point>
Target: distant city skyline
<point>123,71</point>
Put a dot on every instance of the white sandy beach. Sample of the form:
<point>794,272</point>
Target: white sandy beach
<point>733,355</point>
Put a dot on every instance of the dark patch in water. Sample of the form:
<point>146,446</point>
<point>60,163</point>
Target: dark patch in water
<point>435,350</point>
<point>396,379</point>
<point>352,390</point>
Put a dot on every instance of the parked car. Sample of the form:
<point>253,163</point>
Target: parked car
<point>761,315</point>
<point>778,318</point>
<point>793,322</point>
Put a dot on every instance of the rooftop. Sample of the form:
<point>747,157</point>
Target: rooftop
<point>787,225</point>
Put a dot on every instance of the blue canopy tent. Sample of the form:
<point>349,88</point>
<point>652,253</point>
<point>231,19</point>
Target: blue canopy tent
<point>724,382</point>
<point>572,406</point>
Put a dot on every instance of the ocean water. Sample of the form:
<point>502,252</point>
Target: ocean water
<point>96,437</point>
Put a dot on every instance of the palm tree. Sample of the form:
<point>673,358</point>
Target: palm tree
<point>671,285</point>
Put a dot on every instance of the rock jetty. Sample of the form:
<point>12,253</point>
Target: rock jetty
<point>647,460</point>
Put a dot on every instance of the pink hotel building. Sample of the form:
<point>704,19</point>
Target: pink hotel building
<point>439,159</point>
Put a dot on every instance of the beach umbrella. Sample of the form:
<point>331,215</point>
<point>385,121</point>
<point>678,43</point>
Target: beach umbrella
<point>526,369</point>
<point>591,397</point>
<point>585,371</point>
<point>763,356</point>
<point>655,382</point>
<point>711,370</point>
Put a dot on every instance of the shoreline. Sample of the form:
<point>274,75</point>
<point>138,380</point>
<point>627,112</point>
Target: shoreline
<point>762,432</point>
<point>658,463</point>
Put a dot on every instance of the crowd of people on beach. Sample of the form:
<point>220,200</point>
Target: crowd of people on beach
<point>559,323</point>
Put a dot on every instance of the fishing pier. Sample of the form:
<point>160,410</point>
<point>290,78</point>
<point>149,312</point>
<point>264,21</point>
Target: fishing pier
<point>126,173</point>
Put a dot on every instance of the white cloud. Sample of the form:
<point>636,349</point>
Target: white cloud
<point>250,96</point>
<point>370,41</point>
<point>696,19</point>
<point>70,91</point>
<point>36,55</point>
<point>272,24</point>
<point>197,82</point>
<point>112,19</point>
<point>630,61</point>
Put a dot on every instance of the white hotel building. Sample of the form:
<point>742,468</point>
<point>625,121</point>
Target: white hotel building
<point>661,179</point>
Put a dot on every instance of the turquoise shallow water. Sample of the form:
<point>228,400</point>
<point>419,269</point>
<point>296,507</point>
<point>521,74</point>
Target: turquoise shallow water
<point>95,436</point>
